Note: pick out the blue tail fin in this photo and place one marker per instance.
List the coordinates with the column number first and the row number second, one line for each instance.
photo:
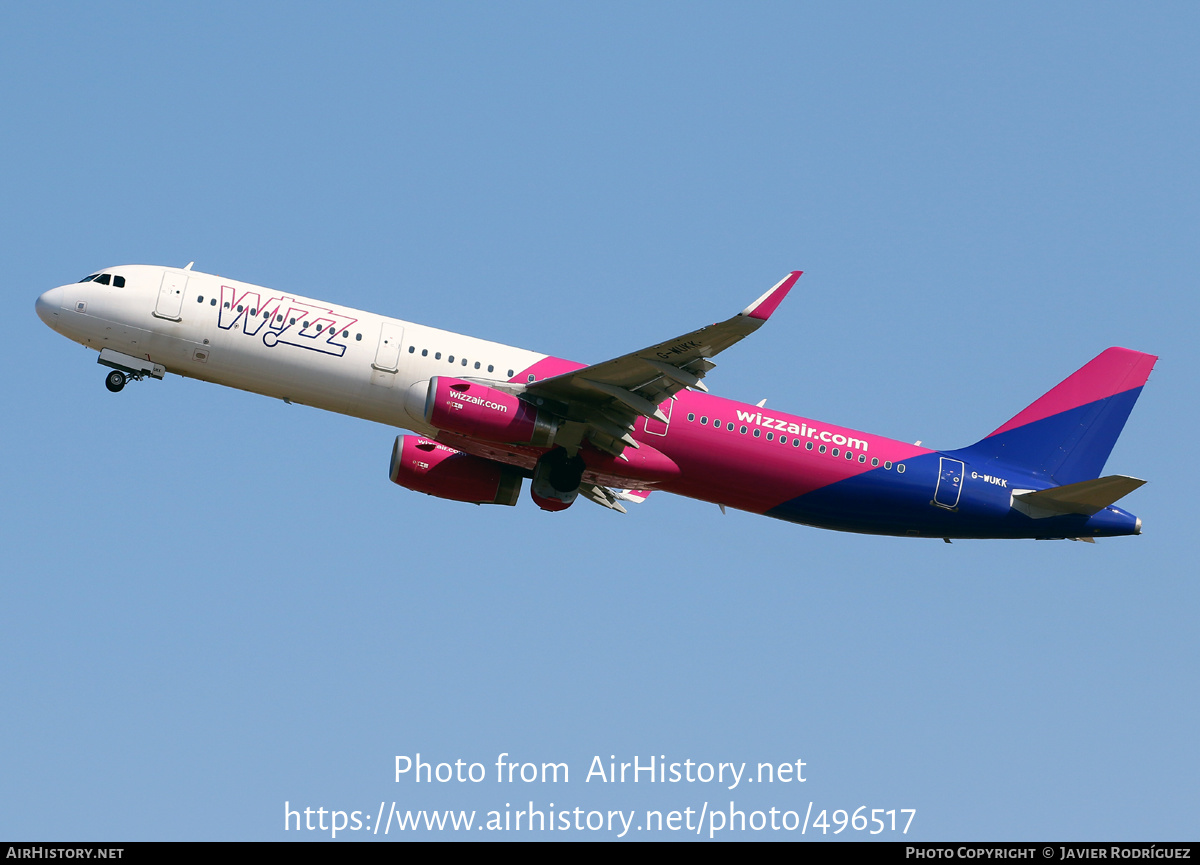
column 1068, row 433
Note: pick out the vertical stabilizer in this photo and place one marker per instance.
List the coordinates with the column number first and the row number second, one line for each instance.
column 1069, row 432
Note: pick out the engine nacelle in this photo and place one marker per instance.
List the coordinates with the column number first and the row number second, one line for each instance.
column 556, row 480
column 428, row 467
column 479, row 411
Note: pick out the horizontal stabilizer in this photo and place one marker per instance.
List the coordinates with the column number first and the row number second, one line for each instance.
column 637, row 496
column 1085, row 497
column 611, row 498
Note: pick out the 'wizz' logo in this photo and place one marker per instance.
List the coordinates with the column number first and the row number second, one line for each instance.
column 284, row 320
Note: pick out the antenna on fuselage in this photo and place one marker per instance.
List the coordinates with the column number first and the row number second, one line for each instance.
column 189, row 265
column 760, row 403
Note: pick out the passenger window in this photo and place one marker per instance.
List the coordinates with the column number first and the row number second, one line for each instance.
column 729, row 426
column 874, row 461
column 102, row 279
column 808, row 446
column 704, row 419
column 345, row 333
column 821, row 449
column 358, row 336
column 200, row 299
column 212, row 302
column 757, row 433
column 411, row 349
column 770, row 437
column 450, row 359
column 742, row 430
column 834, row 451
column 119, row 281
column 437, row 355
column 887, row 464
column 464, row 363
column 424, row 352
column 862, row 458
column 691, row 416
column 476, row 364
column 783, row 440
column 510, row 373
column 490, row 368
column 900, row 468
column 532, row 376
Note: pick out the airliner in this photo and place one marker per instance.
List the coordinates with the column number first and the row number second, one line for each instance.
column 484, row 417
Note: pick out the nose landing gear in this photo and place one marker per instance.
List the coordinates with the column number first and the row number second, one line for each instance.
column 126, row 367
column 114, row 381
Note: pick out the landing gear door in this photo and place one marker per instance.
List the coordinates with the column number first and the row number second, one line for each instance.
column 949, row 485
column 170, row 296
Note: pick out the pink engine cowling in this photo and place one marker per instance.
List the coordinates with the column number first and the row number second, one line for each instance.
column 428, row 467
column 479, row 411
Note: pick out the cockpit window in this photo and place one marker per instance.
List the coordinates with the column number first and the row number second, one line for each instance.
column 103, row 278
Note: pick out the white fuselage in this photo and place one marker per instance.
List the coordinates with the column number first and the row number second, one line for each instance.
column 269, row 342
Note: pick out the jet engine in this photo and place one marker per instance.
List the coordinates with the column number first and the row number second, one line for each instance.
column 556, row 480
column 428, row 467
column 479, row 411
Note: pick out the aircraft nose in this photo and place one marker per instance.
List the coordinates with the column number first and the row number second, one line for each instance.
column 48, row 305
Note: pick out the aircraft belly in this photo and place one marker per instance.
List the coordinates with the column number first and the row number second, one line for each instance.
column 884, row 502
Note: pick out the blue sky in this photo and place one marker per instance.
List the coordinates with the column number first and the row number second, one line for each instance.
column 215, row 603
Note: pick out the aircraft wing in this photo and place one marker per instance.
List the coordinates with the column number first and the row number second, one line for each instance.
column 607, row 398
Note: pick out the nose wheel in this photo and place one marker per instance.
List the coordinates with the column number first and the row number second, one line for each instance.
column 125, row 367
column 115, row 381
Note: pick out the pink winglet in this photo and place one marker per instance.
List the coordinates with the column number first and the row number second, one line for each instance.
column 1111, row 372
column 765, row 305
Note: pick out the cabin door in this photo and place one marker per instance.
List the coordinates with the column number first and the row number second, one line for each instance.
column 170, row 296
column 949, row 485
